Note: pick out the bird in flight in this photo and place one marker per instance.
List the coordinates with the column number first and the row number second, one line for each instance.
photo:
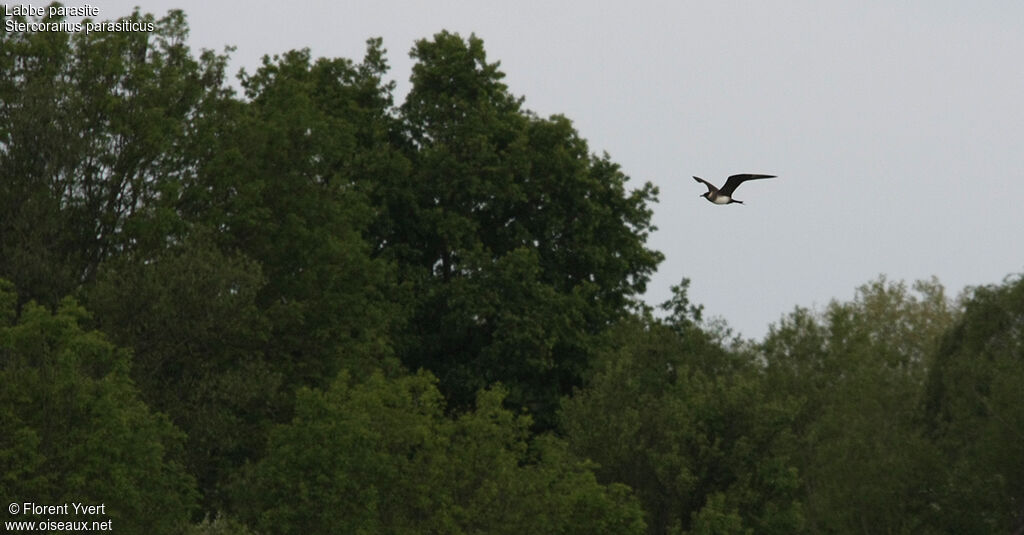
column 724, row 195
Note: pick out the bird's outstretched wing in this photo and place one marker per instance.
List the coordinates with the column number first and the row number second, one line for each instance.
column 711, row 187
column 735, row 180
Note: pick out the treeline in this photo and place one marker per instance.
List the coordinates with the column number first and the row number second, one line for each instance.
column 307, row 308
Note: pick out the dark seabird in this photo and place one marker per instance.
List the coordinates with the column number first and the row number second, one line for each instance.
column 724, row 195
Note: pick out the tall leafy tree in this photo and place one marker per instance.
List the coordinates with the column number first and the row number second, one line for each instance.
column 518, row 244
column 93, row 124
column 279, row 188
column 249, row 274
column 101, row 131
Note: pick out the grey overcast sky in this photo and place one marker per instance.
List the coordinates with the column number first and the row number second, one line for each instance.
column 896, row 128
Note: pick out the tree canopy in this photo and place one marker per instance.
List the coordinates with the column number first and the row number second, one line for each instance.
column 310, row 306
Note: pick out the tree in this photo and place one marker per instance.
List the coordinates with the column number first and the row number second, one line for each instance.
column 519, row 245
column 278, row 186
column 74, row 427
column 857, row 373
column 689, row 426
column 93, row 125
column 191, row 317
column 250, row 276
column 976, row 412
column 382, row 457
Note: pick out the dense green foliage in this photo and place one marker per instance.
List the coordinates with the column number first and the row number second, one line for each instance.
column 382, row 457
column 307, row 308
column 856, row 374
column 976, row 415
column 691, row 429
column 519, row 244
column 74, row 427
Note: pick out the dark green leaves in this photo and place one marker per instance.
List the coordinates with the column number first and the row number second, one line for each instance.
column 368, row 317
column 695, row 437
column 519, row 244
column 976, row 414
column 75, row 428
column 94, row 124
column 382, row 457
